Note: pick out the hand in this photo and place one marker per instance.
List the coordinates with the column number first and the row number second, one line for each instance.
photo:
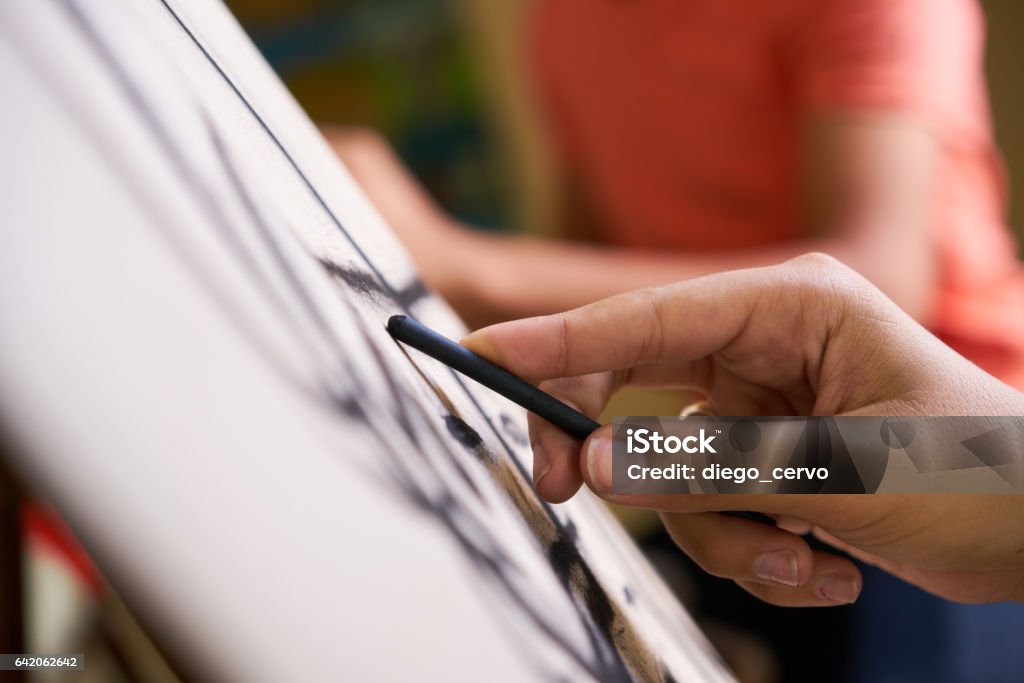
column 809, row 337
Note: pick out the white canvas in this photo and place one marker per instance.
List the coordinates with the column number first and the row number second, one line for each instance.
column 194, row 367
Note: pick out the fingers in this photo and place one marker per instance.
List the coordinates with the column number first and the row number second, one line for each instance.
column 800, row 511
column 556, row 455
column 794, row 525
column 741, row 549
column 681, row 322
column 834, row 581
column 772, row 564
column 556, row 472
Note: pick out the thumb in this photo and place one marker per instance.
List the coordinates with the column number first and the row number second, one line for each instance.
column 596, row 461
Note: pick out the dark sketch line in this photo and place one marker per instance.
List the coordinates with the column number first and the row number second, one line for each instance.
column 387, row 287
column 558, row 540
column 364, row 283
column 561, row 550
column 140, row 194
column 447, row 509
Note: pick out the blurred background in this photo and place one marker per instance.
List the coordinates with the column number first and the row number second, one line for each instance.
column 446, row 84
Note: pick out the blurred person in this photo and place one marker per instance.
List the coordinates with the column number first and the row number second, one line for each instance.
column 705, row 136
column 808, row 337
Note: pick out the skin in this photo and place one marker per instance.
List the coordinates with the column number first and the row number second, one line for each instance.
column 866, row 190
column 808, row 337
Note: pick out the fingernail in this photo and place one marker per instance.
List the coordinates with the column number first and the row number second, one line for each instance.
column 541, row 463
column 599, row 463
column 840, row 589
column 778, row 566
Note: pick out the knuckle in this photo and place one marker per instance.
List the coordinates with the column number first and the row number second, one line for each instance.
column 817, row 271
column 653, row 348
column 822, row 282
column 562, row 345
column 815, row 263
column 815, row 260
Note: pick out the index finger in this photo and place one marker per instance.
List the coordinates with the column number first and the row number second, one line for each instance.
column 684, row 321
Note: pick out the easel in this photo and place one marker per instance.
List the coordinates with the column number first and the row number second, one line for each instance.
column 12, row 619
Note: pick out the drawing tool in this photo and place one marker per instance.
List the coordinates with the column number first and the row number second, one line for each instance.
column 458, row 357
column 478, row 368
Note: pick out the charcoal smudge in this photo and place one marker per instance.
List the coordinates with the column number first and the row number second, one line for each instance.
column 369, row 286
column 463, row 433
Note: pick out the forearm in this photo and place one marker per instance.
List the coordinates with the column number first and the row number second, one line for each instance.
column 506, row 277
column 489, row 278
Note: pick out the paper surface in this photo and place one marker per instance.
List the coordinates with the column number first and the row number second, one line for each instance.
column 194, row 367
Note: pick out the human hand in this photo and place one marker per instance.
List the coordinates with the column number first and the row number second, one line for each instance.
column 809, row 337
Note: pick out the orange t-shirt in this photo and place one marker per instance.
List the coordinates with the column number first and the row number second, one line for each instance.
column 682, row 119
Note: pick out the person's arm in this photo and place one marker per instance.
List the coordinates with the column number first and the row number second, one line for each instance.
column 809, row 337
column 868, row 197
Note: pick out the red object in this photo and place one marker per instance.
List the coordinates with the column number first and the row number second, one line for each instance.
column 44, row 529
column 683, row 122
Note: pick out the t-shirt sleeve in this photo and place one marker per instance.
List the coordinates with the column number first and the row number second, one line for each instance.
column 921, row 57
